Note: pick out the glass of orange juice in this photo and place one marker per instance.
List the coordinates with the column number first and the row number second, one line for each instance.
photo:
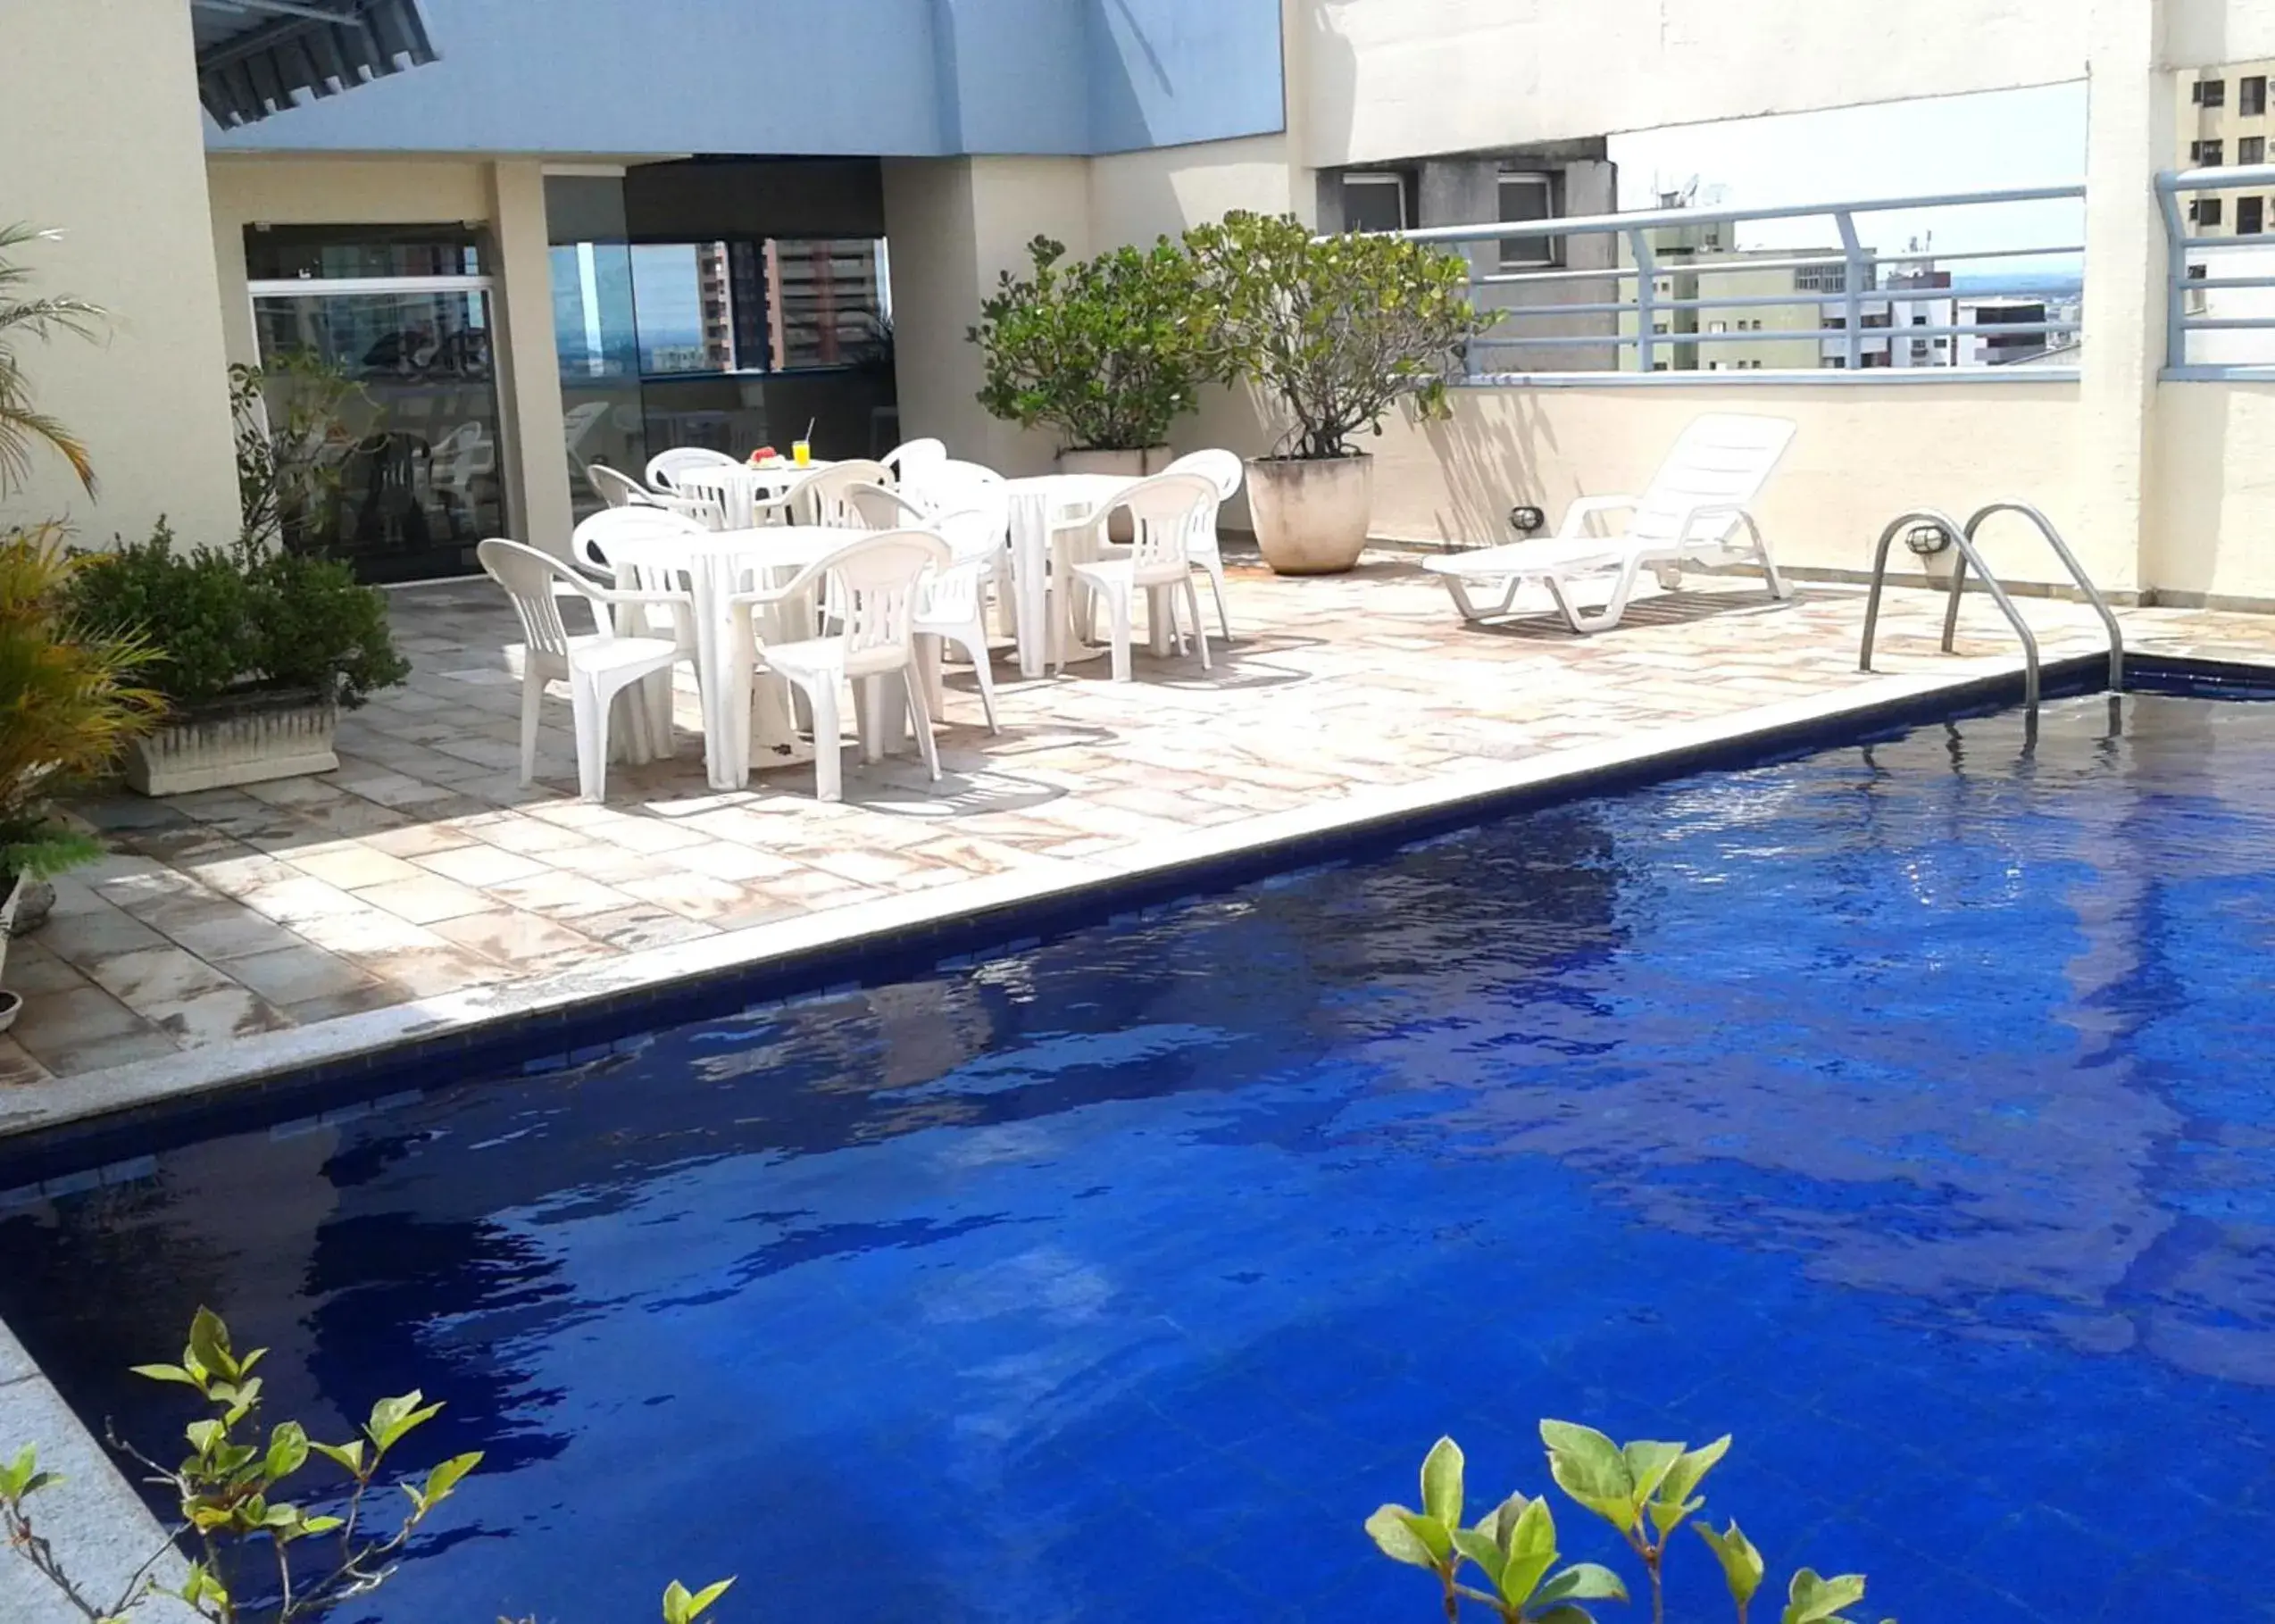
column 802, row 452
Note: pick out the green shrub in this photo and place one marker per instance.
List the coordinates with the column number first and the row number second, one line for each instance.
column 1645, row 1490
column 1107, row 351
column 230, row 623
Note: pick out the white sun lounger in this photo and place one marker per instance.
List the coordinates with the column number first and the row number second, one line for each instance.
column 1694, row 511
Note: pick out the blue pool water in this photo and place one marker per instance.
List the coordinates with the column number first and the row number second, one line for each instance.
column 1903, row 1109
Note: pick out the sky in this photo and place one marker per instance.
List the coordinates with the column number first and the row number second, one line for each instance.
column 1947, row 144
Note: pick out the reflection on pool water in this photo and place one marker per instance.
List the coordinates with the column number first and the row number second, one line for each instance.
column 1902, row 1110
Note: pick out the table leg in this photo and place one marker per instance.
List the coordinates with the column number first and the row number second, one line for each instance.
column 1031, row 571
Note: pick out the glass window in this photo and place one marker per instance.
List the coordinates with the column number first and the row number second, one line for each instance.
column 1527, row 196
column 2249, row 216
column 2251, row 149
column 2208, row 211
column 298, row 253
column 2251, row 96
column 2209, row 92
column 1374, row 201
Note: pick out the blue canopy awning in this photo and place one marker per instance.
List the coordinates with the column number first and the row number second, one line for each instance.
column 259, row 57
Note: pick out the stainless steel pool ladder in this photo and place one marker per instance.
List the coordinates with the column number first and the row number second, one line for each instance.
column 1964, row 538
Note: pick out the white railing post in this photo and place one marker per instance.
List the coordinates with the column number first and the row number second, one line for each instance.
column 1851, row 276
column 2175, row 273
column 1647, row 300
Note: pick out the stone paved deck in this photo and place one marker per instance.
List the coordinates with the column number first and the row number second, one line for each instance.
column 423, row 867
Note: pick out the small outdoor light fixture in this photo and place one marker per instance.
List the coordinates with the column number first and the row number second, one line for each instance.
column 1525, row 521
column 1927, row 540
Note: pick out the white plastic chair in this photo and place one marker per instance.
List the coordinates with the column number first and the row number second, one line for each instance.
column 875, row 581
column 913, row 457
column 664, row 464
column 953, row 604
column 821, row 497
column 1165, row 512
column 1223, row 470
column 616, row 487
column 1692, row 512
column 596, row 667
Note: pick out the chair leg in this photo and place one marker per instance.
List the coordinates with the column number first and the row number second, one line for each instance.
column 589, row 708
column 1200, row 631
column 1216, row 567
column 920, row 713
column 868, row 718
column 1117, row 610
column 532, row 704
column 983, row 671
column 829, row 764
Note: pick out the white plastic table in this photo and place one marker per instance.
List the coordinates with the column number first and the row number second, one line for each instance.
column 738, row 491
column 1046, row 509
column 717, row 565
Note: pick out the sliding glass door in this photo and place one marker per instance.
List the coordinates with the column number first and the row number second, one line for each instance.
column 403, row 316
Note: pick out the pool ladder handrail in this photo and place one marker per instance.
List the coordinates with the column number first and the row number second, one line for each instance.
column 1962, row 536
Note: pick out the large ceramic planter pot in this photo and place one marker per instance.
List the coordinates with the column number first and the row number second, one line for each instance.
column 1311, row 514
column 246, row 740
column 1130, row 464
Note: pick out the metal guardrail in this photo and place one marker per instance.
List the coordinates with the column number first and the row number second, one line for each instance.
column 2199, row 303
column 1855, row 273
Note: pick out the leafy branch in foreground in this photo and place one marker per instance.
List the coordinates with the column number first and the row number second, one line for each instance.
column 1645, row 1490
column 227, row 1491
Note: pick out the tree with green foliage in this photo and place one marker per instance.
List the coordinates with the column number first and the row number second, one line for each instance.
column 23, row 426
column 1333, row 332
column 1107, row 351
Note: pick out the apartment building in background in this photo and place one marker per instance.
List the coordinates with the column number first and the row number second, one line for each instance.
column 2225, row 122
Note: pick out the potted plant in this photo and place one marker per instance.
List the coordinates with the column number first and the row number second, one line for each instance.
column 70, row 702
column 1333, row 332
column 253, row 652
column 1108, row 352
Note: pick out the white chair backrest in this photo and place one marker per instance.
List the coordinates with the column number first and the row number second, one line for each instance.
column 1221, row 469
column 1165, row 512
column 914, row 456
column 825, row 498
column 1723, row 457
column 578, row 421
column 980, row 529
column 949, row 484
column 879, row 509
column 588, row 542
column 528, row 577
column 663, row 464
column 873, row 586
column 616, row 487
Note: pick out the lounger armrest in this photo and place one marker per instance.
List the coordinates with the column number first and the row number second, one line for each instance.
column 1585, row 508
column 1694, row 515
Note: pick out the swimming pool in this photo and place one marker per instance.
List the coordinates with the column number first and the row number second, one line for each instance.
column 1901, row 1110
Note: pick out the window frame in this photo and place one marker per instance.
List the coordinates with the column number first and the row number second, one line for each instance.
column 1375, row 177
column 2257, row 206
column 1527, row 253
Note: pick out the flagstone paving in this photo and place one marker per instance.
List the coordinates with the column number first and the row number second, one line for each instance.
column 422, row 866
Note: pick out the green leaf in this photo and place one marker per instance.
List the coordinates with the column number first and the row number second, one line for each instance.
column 1687, row 1474
column 1812, row 1600
column 1393, row 1531
column 22, row 1477
column 347, row 1456
column 1441, row 1483
column 444, row 1477
column 681, row 1608
column 1648, row 1464
column 321, row 1525
column 1564, row 1614
column 1500, row 1523
column 204, row 1436
column 1742, row 1565
column 1532, row 1551
column 1589, row 1467
column 168, row 1372
column 1480, row 1548
column 392, row 1418
column 287, row 1451
column 209, row 1342
column 1581, row 1582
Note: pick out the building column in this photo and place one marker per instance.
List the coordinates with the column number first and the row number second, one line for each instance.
column 2128, row 138
column 535, row 468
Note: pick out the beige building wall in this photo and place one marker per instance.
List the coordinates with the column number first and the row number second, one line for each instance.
column 1862, row 455
column 2212, row 510
column 507, row 197
column 1379, row 80
column 103, row 95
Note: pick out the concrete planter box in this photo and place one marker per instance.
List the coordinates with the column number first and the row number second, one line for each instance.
column 1311, row 514
column 10, row 1004
column 236, row 741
